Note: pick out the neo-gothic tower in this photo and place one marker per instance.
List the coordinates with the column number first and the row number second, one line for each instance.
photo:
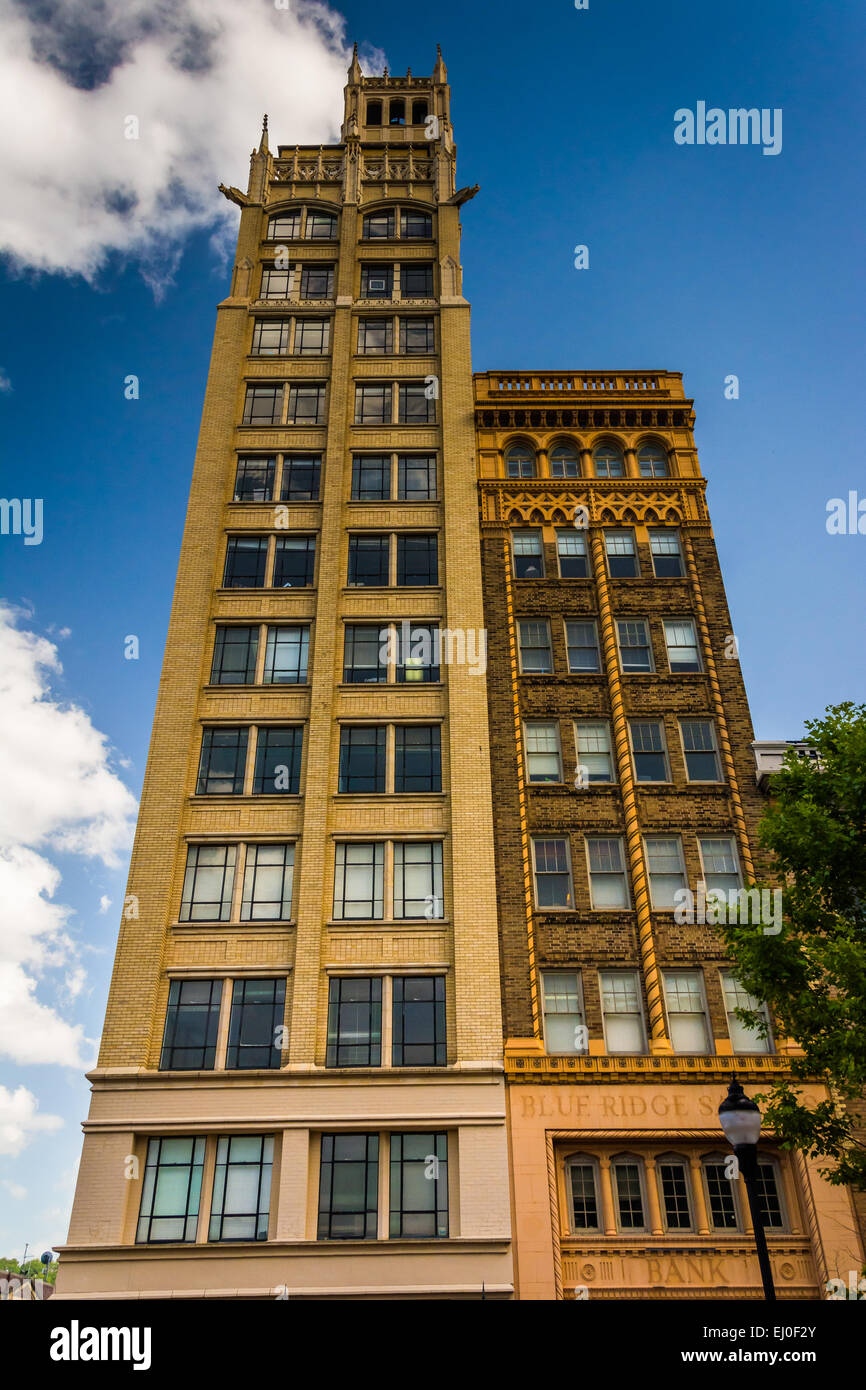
column 300, row 1081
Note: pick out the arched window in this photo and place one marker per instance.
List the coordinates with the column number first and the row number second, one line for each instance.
column 722, row 1198
column 519, row 462
column 416, row 225
column 608, row 461
column 320, row 226
column 564, row 462
column 374, row 113
column 397, row 111
column 672, row 1172
column 653, row 461
column 419, row 111
column 285, row 226
column 627, row 1174
column 379, row 226
column 581, row 1185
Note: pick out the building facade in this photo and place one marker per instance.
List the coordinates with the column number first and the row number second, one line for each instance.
column 624, row 792
column 300, row 1086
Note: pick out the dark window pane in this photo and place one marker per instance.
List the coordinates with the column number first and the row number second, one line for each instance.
column 417, row 759
column 208, row 883
column 306, row 405
column 278, row 762
column 368, row 560
column 417, row 653
column 362, row 758
column 416, row 477
column 271, row 337
column 354, row 1023
column 300, row 480
column 379, row 225
column 312, row 337
column 419, row 1021
column 417, row 560
column 263, row 405
column 254, row 481
column 375, row 336
column 191, row 1024
column 234, row 656
column 675, row 1196
column 317, row 282
column 419, row 1186
column 349, row 1187
column 294, row 562
column 286, row 655
column 371, row 478
column 629, row 1196
column 584, row 1202
column 416, row 281
column 416, row 225
column 254, row 1023
column 372, row 405
column 414, row 405
column 321, row 226
column 365, row 652
column 246, row 558
column 377, row 281
column 417, row 335
column 222, row 764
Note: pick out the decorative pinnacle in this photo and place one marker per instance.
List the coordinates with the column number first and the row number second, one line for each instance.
column 263, row 143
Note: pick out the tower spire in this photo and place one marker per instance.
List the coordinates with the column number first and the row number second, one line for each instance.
column 440, row 72
column 263, row 143
column 354, row 67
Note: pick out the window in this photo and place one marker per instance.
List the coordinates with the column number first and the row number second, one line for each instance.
column 306, row 405
column 652, row 462
column 768, row 1192
column 377, row 281
column 372, row 405
column 285, row 226
column 419, row 1186
column 664, row 858
column 276, row 282
column 528, row 554
column 536, row 657
column 582, row 1194
column 371, row 477
column 416, row 477
column 564, row 462
column 418, row 879
column 666, row 553
column 721, row 1194
column 699, row 747
column 286, row 655
column 418, row 1014
column 321, row 226
column 374, row 113
column 543, row 756
column 359, row 881
column 562, row 1002
column 621, row 554
column 354, row 1023
column 397, row 111
column 255, row 1024
column 368, row 561
column 571, row 550
column 743, row 1037
column 271, row 337
column 312, row 337
column 349, row 1187
column 720, row 864
column 365, row 654
column 581, row 639
column 362, row 758
column 627, row 1178
column 648, row 750
column 375, row 337
column 171, row 1191
column 607, row 880
column 673, row 1179
column 268, row 878
column 378, row 226
column 635, row 653
column 519, row 462
column 300, row 480
column 242, row 1188
column 592, row 737
column 416, row 280
column 246, row 558
column 317, row 282
column 417, row 336
column 191, row 1025
column 687, row 1012
column 294, row 562
column 414, row 225
column 608, row 462
column 621, row 1011
column 278, row 761
column 552, row 869
column 417, row 758
column 234, row 656
column 417, row 654
column 208, row 883
column 254, row 480
column 222, row 763
column 263, row 405
column 417, row 560
column 682, row 645
column 414, row 405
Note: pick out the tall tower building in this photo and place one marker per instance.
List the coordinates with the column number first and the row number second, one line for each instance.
column 623, row 775
column 300, row 1084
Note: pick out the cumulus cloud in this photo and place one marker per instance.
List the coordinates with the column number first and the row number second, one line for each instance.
column 60, row 793
column 104, row 903
column 14, row 1189
column 195, row 74
column 5, row 383
column 19, row 1122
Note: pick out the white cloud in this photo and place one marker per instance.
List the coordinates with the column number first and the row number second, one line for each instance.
column 196, row 74
column 14, row 1189
column 59, row 793
column 104, row 903
column 5, row 383
column 19, row 1122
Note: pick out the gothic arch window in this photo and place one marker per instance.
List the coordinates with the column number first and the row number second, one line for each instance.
column 419, row 111
column 397, row 111
column 608, row 460
column 374, row 113
column 583, row 1193
column 653, row 461
column 564, row 460
column 519, row 461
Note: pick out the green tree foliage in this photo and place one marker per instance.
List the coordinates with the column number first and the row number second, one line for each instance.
column 813, row 973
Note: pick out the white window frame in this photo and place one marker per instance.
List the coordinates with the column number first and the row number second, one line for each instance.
column 615, row 970
column 544, row 781
column 663, row 835
column 698, row 975
column 624, row 907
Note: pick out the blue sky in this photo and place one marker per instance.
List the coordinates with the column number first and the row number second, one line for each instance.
column 708, row 260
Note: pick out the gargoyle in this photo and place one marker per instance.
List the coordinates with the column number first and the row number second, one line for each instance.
column 464, row 194
column 234, row 195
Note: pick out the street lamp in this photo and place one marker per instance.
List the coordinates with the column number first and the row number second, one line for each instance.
column 740, row 1119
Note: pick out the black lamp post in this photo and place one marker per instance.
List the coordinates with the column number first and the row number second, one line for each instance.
column 740, row 1119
